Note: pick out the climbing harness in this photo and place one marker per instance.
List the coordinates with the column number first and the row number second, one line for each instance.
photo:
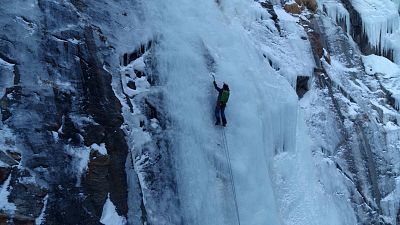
column 228, row 161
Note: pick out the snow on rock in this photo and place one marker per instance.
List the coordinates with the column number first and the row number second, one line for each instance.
column 378, row 64
column 392, row 134
column 379, row 18
column 41, row 219
column 6, row 77
column 110, row 216
column 132, row 83
column 387, row 71
column 5, row 205
column 288, row 51
column 81, row 157
column 100, row 148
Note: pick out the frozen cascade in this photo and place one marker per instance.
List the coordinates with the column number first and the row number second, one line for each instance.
column 379, row 18
column 184, row 30
column 270, row 155
column 337, row 12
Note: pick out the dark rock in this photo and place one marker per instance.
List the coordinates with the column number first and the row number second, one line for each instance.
column 102, row 104
column 270, row 8
column 39, row 103
column 139, row 74
column 93, row 134
column 23, row 220
column 27, row 197
column 309, row 4
column 292, row 8
column 150, row 110
column 128, row 58
column 4, row 173
column 37, row 161
column 7, row 159
column 131, row 85
column 302, row 85
column 16, row 220
column 96, row 182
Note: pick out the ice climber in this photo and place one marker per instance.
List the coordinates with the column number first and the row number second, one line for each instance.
column 223, row 96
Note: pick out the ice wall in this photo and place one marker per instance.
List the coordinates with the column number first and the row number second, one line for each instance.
column 380, row 19
column 263, row 136
column 261, row 101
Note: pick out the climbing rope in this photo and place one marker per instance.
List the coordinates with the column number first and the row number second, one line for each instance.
column 228, row 160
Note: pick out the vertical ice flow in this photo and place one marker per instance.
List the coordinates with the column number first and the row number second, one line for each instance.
column 262, row 132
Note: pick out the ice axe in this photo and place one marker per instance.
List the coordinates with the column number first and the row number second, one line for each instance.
column 213, row 76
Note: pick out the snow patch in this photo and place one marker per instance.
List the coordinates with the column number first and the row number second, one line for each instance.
column 387, row 72
column 378, row 64
column 283, row 15
column 100, row 148
column 110, row 216
column 80, row 120
column 6, row 76
column 40, row 219
column 5, row 205
column 81, row 157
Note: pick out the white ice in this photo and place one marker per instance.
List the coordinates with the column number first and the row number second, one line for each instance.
column 110, row 216
column 379, row 19
column 269, row 151
column 6, row 76
column 337, row 12
column 100, row 148
column 387, row 71
column 81, row 156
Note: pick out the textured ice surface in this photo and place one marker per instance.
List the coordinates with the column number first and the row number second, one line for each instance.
column 387, row 71
column 337, row 12
column 274, row 175
column 379, row 18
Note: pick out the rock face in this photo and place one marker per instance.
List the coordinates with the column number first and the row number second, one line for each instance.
column 59, row 104
column 292, row 8
column 309, row 4
column 363, row 153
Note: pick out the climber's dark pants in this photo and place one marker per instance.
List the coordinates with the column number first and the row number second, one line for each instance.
column 220, row 110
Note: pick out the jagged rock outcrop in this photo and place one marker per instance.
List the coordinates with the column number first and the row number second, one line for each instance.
column 60, row 103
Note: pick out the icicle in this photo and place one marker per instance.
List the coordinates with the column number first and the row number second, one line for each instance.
column 396, row 101
column 379, row 19
column 337, row 12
